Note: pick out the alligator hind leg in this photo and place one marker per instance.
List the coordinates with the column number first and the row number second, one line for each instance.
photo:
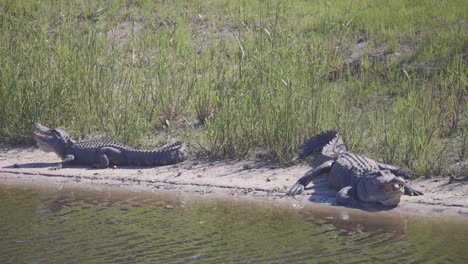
column 107, row 156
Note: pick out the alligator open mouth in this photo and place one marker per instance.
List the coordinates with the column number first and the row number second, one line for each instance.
column 41, row 132
column 43, row 137
column 392, row 187
column 42, row 129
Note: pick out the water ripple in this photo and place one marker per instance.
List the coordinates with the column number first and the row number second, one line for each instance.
column 47, row 226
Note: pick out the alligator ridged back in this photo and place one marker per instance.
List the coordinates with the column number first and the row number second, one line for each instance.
column 348, row 167
column 168, row 154
column 329, row 143
column 100, row 144
column 335, row 147
column 357, row 163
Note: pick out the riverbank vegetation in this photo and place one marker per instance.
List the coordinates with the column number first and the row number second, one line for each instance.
column 242, row 78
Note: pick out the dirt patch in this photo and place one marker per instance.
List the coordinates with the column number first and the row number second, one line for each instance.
column 247, row 179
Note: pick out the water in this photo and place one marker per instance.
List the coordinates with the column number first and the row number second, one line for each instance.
column 46, row 225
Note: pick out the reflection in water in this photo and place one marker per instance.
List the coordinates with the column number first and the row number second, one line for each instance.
column 50, row 226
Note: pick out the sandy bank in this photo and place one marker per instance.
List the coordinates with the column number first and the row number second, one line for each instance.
column 240, row 179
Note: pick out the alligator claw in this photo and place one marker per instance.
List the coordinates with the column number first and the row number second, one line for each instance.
column 295, row 189
column 58, row 167
column 412, row 192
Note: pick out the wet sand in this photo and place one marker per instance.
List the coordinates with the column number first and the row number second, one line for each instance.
column 228, row 179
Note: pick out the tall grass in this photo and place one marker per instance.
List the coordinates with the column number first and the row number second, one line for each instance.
column 233, row 78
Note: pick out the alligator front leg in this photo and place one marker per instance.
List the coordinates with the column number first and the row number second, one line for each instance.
column 411, row 191
column 308, row 177
column 345, row 197
column 67, row 159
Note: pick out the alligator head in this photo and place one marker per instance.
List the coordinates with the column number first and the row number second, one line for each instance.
column 52, row 140
column 380, row 186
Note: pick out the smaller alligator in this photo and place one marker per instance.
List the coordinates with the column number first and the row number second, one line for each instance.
column 357, row 178
column 103, row 154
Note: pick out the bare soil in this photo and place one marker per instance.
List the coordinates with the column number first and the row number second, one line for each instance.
column 237, row 179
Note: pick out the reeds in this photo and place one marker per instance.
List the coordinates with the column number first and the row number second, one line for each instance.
column 237, row 77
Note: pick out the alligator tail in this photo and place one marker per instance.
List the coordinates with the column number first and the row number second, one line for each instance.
column 329, row 143
column 169, row 154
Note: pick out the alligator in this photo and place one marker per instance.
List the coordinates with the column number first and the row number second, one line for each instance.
column 101, row 155
column 357, row 178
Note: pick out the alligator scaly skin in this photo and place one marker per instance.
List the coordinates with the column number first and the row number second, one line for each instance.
column 103, row 154
column 348, row 167
column 88, row 153
column 357, row 178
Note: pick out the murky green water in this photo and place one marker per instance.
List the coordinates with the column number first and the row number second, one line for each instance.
column 39, row 225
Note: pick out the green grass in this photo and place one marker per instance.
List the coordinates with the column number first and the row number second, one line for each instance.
column 235, row 78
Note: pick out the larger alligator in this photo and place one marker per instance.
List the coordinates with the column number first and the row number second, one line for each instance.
column 103, row 154
column 357, row 178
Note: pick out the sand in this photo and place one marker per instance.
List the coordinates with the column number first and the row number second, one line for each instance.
column 229, row 179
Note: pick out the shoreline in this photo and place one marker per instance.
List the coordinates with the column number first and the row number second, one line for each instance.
column 247, row 180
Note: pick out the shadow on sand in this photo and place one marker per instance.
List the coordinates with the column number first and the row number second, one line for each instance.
column 37, row 165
